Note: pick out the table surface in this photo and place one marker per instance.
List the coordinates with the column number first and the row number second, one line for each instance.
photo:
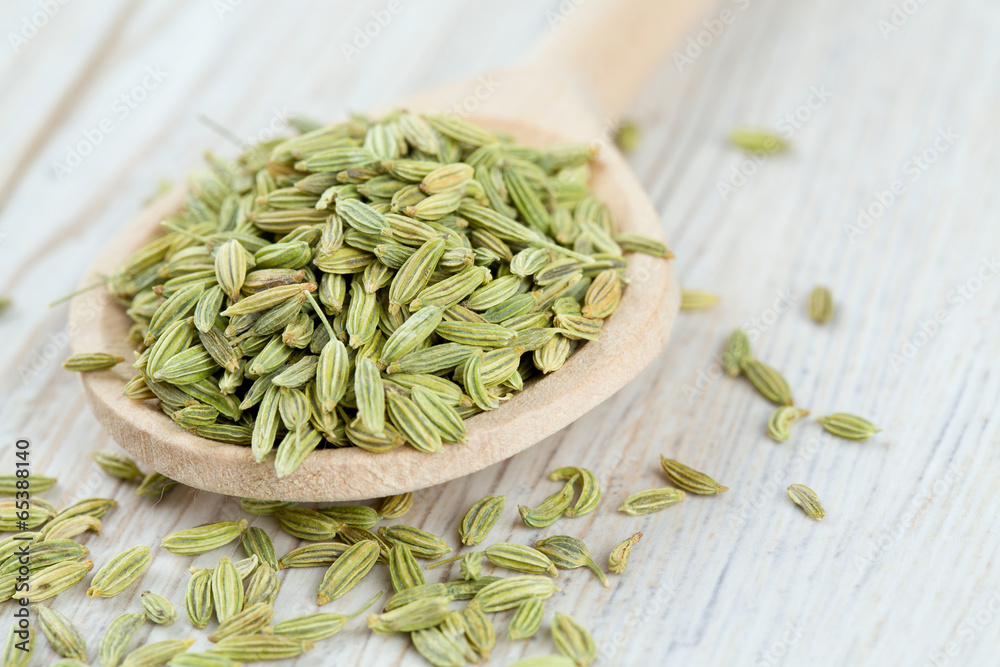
column 885, row 197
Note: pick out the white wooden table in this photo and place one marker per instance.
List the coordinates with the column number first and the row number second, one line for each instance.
column 890, row 111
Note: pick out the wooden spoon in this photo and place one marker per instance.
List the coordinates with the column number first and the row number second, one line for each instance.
column 571, row 89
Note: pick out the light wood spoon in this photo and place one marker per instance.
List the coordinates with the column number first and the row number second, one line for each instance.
column 571, row 89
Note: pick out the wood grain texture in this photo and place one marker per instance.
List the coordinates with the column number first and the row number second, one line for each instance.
column 900, row 571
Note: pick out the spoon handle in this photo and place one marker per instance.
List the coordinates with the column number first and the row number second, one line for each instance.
column 607, row 49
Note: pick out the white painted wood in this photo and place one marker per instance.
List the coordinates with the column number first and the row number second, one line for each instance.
column 900, row 567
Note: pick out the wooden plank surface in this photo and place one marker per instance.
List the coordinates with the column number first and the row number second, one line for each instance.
column 874, row 96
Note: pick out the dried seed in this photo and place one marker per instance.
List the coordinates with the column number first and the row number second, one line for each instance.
column 807, row 499
column 69, row 527
column 307, row 524
column 246, row 566
column 573, row 640
column 466, row 589
column 421, row 543
column 472, row 566
column 347, row 571
column 55, row 579
column 514, row 307
column 416, row 593
column 369, row 395
column 175, row 339
column 393, row 507
column 526, row 620
column 630, row 242
column 511, row 592
column 437, row 648
column 441, row 414
column 201, row 660
column 249, row 621
column 618, row 559
column 404, row 570
column 551, row 509
column 479, row 631
column 653, row 500
column 472, row 378
column 526, row 200
column 569, row 553
column 359, row 516
column 552, row 355
column 697, row 300
column 737, row 350
column 444, row 389
column 10, row 485
column 520, row 558
column 201, row 539
column 453, row 289
column 269, row 298
column 231, row 268
column 313, row 627
column 363, row 217
column 265, row 427
column 34, row 556
column 821, row 305
column 218, row 347
column 94, row 507
column 362, row 318
column 198, row 602
column 603, row 295
column 207, row 309
column 480, row 519
column 846, row 425
column 20, row 646
column 154, row 485
column 158, row 653
column 419, row 430
column 417, row 615
column 769, row 382
column 91, row 362
column 432, row 359
column 317, row 554
column 260, row 647
column 14, row 516
column 332, row 373
column 385, row 441
column 256, row 542
column 262, row 586
column 227, row 590
column 294, row 448
column 413, row 275
column 136, row 389
column 114, row 644
column 158, row 608
column 590, row 489
column 455, row 127
column 63, row 636
column 690, row 479
column 453, row 629
column 196, row 416
column 756, row 140
column 780, row 421
column 411, row 334
column 118, row 465
column 15, row 543
column 120, row 572
column 475, row 334
column 263, row 507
